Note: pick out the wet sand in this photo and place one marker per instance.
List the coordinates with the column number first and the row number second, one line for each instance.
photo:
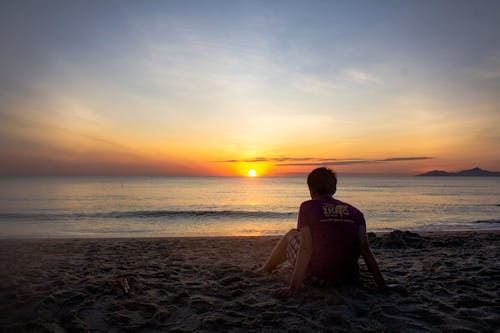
column 205, row 285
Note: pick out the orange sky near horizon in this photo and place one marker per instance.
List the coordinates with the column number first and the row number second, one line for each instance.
column 192, row 90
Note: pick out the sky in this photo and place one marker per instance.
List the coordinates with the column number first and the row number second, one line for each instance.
column 221, row 87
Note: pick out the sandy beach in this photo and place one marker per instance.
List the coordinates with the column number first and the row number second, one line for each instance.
column 205, row 285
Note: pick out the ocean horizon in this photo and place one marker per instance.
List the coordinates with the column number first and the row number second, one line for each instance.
column 158, row 206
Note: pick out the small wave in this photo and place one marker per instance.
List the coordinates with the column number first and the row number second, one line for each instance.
column 149, row 214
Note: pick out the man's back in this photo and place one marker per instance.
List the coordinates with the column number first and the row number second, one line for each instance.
column 334, row 229
column 330, row 239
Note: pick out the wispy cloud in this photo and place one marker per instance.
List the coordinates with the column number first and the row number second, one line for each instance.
column 360, row 76
column 395, row 159
column 326, row 163
column 314, row 85
column 271, row 159
column 488, row 69
column 356, row 161
column 315, row 161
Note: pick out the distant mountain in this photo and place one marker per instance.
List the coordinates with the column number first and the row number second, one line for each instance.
column 435, row 173
column 476, row 172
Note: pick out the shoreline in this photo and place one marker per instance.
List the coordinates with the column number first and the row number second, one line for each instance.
column 205, row 284
column 378, row 233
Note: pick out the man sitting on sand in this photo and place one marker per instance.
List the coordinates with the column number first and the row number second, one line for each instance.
column 330, row 237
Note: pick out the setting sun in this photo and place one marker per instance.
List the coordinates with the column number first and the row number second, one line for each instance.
column 252, row 173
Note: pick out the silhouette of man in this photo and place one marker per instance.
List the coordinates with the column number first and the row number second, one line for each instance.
column 328, row 241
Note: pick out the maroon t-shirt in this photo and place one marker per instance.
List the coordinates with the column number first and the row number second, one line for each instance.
column 334, row 229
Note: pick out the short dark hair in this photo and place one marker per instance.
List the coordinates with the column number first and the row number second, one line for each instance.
column 323, row 181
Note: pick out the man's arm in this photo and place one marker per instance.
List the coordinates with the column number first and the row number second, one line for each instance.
column 370, row 261
column 303, row 258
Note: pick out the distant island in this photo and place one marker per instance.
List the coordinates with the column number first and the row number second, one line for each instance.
column 476, row 172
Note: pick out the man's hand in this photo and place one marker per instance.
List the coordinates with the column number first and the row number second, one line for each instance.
column 259, row 269
column 284, row 293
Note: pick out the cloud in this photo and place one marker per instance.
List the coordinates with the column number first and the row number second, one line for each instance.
column 270, row 159
column 488, row 69
column 314, row 161
column 314, row 85
column 395, row 159
column 361, row 77
column 328, row 163
column 321, row 162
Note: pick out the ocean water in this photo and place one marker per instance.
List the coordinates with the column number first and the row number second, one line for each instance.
column 222, row 206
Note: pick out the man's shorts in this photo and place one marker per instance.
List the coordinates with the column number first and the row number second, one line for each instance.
column 292, row 249
column 292, row 252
